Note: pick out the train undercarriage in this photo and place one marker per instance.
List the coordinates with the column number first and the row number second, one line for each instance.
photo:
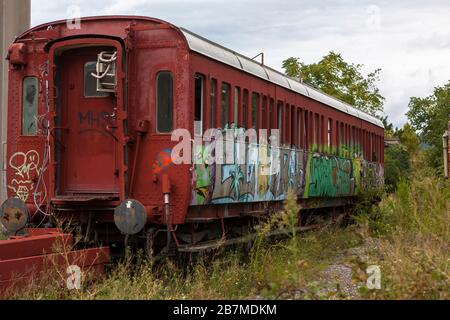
column 95, row 227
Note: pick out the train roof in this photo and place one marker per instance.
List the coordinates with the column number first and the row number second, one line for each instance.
column 224, row 55
column 217, row 52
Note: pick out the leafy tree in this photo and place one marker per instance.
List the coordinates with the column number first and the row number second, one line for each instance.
column 396, row 165
column 340, row 79
column 388, row 127
column 409, row 139
column 429, row 117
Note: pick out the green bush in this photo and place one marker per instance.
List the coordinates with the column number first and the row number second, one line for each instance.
column 397, row 165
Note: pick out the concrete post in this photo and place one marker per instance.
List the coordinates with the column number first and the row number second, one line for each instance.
column 14, row 19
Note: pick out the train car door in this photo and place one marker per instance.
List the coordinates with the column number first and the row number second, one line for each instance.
column 88, row 144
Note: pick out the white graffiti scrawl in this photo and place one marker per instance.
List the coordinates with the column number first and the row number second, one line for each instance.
column 26, row 169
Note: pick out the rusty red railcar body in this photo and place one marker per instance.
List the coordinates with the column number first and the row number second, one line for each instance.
column 92, row 111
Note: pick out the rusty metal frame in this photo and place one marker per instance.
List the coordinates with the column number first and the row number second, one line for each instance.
column 25, row 259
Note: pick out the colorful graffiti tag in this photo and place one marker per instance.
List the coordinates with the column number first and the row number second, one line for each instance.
column 311, row 174
column 26, row 168
column 163, row 161
column 329, row 176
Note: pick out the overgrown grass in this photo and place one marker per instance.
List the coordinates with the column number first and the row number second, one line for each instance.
column 411, row 225
column 279, row 270
column 414, row 223
column 272, row 269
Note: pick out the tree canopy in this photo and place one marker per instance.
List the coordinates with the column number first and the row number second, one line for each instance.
column 429, row 117
column 340, row 79
column 388, row 127
column 409, row 139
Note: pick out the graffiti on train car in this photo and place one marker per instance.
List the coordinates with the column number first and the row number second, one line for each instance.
column 311, row 174
column 329, row 176
column 248, row 182
column 163, row 161
column 25, row 167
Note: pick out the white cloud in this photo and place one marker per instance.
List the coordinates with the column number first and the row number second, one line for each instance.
column 409, row 40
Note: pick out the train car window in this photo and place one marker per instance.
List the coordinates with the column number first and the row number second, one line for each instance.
column 225, row 104
column 363, row 143
column 198, row 117
column 366, row 148
column 357, row 141
column 305, row 130
column 375, row 146
column 360, row 142
column 271, row 115
column 244, row 108
column 287, row 123
column 345, row 142
column 350, row 139
column 336, row 134
column 293, row 128
column 164, row 102
column 378, row 149
column 90, row 83
column 254, row 115
column 29, row 106
column 381, row 148
column 322, row 134
column 213, row 96
column 299, row 128
column 353, row 139
column 357, row 144
column 237, row 96
column 264, row 124
column 280, row 119
column 311, row 130
column 375, row 152
column 316, row 130
column 347, row 138
column 370, row 147
column 330, row 128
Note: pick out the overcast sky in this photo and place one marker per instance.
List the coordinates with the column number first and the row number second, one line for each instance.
column 408, row 40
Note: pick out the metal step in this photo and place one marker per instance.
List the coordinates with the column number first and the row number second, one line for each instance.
column 77, row 198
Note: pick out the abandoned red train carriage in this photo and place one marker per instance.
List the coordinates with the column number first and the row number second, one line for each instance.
column 80, row 147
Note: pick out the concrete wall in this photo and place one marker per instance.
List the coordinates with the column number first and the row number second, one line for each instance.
column 14, row 19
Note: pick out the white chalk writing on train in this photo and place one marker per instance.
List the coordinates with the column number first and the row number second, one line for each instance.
column 26, row 168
